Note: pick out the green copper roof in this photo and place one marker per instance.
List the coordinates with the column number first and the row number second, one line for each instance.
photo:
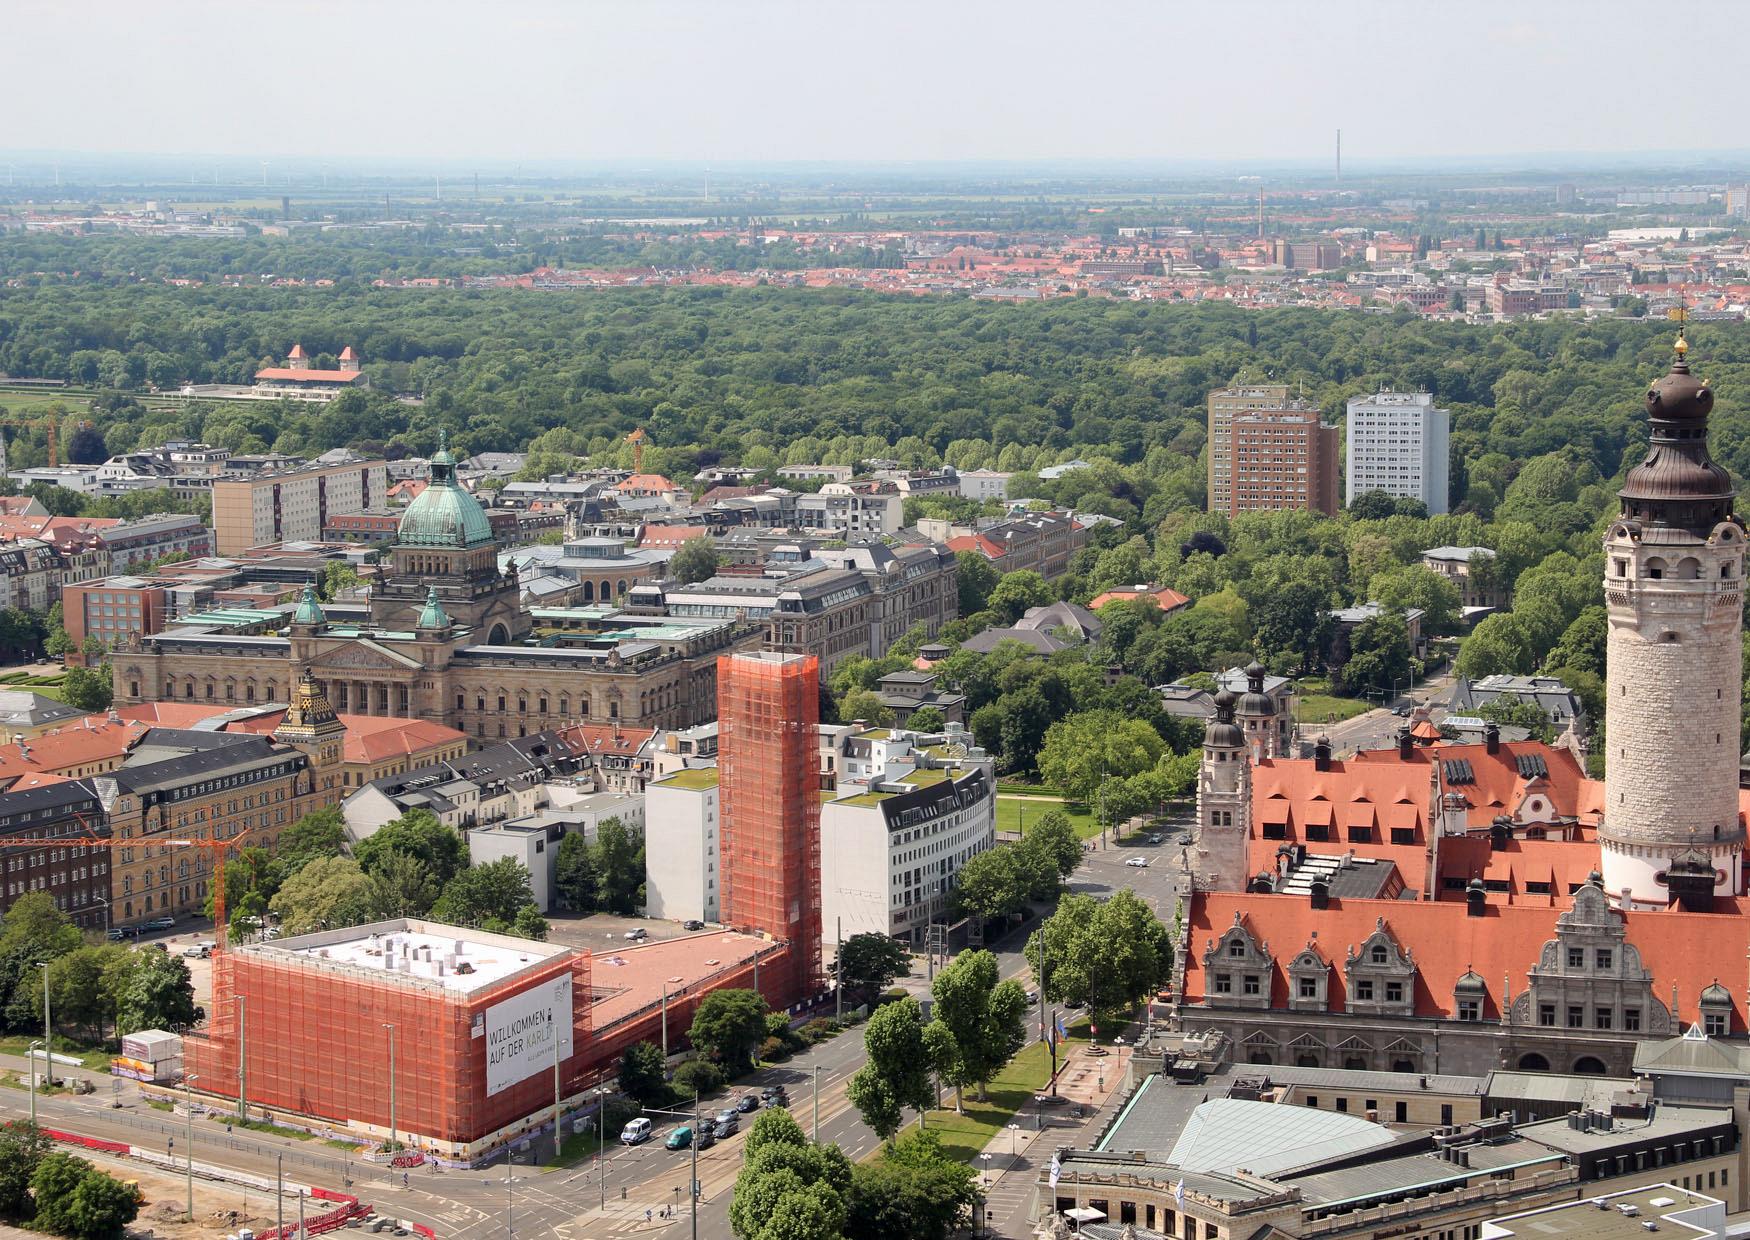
column 309, row 610
column 444, row 515
column 433, row 617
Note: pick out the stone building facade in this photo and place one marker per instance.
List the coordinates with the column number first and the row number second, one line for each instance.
column 447, row 639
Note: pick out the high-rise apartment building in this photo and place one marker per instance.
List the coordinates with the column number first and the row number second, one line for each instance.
column 1399, row 443
column 768, row 715
column 1282, row 458
column 1223, row 405
column 294, row 505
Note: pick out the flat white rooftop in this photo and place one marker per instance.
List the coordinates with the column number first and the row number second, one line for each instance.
column 421, row 953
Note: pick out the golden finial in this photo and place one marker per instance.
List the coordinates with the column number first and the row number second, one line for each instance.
column 1681, row 315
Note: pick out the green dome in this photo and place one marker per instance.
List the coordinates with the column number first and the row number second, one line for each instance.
column 444, row 515
column 434, row 616
column 309, row 610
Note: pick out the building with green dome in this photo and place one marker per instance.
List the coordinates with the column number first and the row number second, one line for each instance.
column 444, row 637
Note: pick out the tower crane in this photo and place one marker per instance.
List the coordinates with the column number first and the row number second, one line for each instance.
column 218, row 848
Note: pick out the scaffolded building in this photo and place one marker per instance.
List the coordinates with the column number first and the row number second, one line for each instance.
column 768, row 714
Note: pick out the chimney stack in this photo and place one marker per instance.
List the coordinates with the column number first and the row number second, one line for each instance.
column 1491, row 737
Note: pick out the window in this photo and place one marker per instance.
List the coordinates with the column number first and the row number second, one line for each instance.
column 1445, row 1113
column 1576, row 958
column 1236, row 948
column 1715, row 1024
column 1312, row 1100
column 1576, row 1016
column 1250, row 984
column 1377, row 955
column 1224, row 983
column 1364, row 989
column 1401, row 1111
column 1469, row 1009
column 1603, row 956
column 1546, row 1015
column 1601, row 1018
column 1309, row 988
column 1403, row 835
column 1394, row 992
column 1631, row 1019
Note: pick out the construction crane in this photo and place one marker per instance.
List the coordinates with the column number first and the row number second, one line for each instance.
column 218, row 847
column 636, row 439
column 51, row 428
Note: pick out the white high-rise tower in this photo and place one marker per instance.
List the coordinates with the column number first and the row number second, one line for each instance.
column 1673, row 589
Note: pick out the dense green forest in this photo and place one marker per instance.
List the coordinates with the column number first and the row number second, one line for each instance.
column 1545, row 415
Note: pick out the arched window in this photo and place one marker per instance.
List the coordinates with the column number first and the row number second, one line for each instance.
column 589, row 591
column 1533, row 1062
column 1589, row 1065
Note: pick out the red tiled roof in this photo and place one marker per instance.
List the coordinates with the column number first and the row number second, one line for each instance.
column 347, row 355
column 297, row 351
column 646, row 482
column 94, row 739
column 976, row 542
column 1690, row 950
column 670, row 535
column 599, row 738
column 309, row 376
column 373, row 738
column 1165, row 597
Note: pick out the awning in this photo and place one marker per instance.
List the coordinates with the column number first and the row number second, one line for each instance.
column 1084, row 1214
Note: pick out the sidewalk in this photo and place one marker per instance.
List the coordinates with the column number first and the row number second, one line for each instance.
column 1010, row 1164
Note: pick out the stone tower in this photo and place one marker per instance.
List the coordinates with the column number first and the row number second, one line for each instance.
column 1673, row 589
column 1255, row 712
column 310, row 725
column 1224, row 801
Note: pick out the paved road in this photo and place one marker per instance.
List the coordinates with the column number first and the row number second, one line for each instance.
column 1378, row 728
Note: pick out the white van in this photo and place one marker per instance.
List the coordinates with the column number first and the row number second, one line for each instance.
column 636, row 1132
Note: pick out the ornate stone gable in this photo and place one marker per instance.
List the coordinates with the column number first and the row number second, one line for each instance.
column 362, row 655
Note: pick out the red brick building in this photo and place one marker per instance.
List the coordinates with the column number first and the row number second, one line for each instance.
column 1282, row 458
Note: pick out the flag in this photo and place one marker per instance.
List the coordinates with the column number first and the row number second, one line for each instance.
column 1062, row 1032
column 1056, row 1169
column 1179, row 1193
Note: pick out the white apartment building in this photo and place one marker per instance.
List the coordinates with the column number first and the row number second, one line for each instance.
column 983, row 484
column 681, row 819
column 1399, row 443
column 527, row 844
column 294, row 505
column 910, row 810
column 852, row 510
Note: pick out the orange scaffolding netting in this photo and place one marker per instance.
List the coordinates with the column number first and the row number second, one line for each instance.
column 768, row 716
column 318, row 1045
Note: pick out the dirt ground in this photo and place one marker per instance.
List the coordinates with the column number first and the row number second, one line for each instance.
column 219, row 1209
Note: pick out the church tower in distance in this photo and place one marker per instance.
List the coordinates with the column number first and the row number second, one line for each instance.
column 1673, row 590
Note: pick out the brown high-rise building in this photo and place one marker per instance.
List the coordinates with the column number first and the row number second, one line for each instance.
column 768, row 715
column 1282, row 458
column 1223, row 406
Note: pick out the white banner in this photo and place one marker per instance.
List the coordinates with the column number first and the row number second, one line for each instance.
column 520, row 1031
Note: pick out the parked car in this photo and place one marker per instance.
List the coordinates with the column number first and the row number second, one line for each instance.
column 707, row 1137
column 161, row 923
column 773, row 1091
column 692, row 924
column 747, row 1103
column 1154, row 837
column 116, row 934
column 1137, row 863
column 636, row 1131
column 728, row 1121
column 637, row 935
column 680, row 1138
column 199, row 951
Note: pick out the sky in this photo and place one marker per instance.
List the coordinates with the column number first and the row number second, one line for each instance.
column 878, row 80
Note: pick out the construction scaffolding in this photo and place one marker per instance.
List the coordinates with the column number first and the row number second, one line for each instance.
column 318, row 1044
column 768, row 723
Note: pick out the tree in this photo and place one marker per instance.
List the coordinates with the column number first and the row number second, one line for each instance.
column 619, row 867
column 320, row 833
column 869, row 963
column 1515, row 711
column 88, row 689
column 324, row 895
column 1107, row 954
column 102, row 1206
column 1294, row 618
column 975, row 578
column 1016, row 592
column 1379, row 655
column 926, row 719
column 419, row 834
column 493, row 892
column 52, row 1185
column 76, row 989
column 574, row 875
column 33, row 929
column 913, row 1190
column 980, row 1022
column 338, row 577
column 158, row 994
column 401, row 886
column 643, row 1072
column 529, row 924
column 1499, row 643
column 1417, row 585
column 729, row 1026
column 993, row 883
column 864, row 704
column 22, row 1149
column 695, row 560
column 788, row 1188
column 897, row 1074
column 1053, row 842
column 1084, row 748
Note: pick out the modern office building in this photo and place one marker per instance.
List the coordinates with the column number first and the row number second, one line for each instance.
column 682, row 817
column 768, row 712
column 1223, row 405
column 295, row 505
column 1398, row 442
column 1282, row 458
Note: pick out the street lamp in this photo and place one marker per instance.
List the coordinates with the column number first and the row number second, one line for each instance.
column 105, row 904
column 48, row 1036
column 391, row 1028
column 188, row 1108
column 693, row 1188
column 601, row 1139
column 1014, row 1143
column 32, row 1061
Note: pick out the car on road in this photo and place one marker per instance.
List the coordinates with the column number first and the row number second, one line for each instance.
column 1154, row 837
column 773, row 1091
column 680, row 1138
column 636, row 1131
column 116, row 934
column 1403, row 711
column 637, row 934
column 706, row 1137
column 747, row 1103
column 199, row 951
column 728, row 1122
column 1137, row 863
column 161, row 923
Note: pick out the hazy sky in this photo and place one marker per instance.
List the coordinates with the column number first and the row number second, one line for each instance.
column 725, row 80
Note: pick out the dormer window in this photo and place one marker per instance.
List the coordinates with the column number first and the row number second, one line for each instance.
column 1377, row 955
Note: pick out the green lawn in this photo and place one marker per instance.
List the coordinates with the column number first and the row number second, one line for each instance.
column 96, row 1059
column 1318, row 708
column 965, row 1136
column 1010, row 812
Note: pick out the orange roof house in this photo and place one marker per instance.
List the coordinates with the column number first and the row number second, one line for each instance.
column 1165, row 597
